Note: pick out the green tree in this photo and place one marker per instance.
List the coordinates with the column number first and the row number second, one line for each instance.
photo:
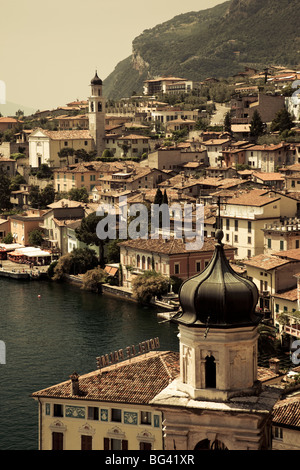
column 113, row 251
column 34, row 196
column 40, row 199
column 282, row 121
column 83, row 260
column 227, row 122
column 78, row 194
column 65, row 153
column 16, row 181
column 44, row 171
column 158, row 199
column 257, row 127
column 47, row 196
column 93, row 279
column 8, row 238
column 107, row 153
column 148, row 285
column 165, row 197
column 4, row 190
column 87, row 233
column 78, row 261
column 201, row 124
column 85, row 156
column 35, row 237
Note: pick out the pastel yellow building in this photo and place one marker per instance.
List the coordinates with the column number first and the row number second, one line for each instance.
column 108, row 409
column 80, row 175
column 22, row 224
column 244, row 218
column 45, row 145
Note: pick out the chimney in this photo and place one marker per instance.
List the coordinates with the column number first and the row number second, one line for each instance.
column 74, row 383
column 274, row 365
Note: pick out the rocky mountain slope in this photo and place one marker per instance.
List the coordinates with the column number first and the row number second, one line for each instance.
column 217, row 42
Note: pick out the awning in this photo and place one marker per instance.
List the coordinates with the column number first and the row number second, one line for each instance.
column 111, row 270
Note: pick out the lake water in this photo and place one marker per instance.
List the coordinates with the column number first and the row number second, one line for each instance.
column 51, row 330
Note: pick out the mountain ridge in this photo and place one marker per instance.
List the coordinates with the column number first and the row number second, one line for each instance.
column 218, row 41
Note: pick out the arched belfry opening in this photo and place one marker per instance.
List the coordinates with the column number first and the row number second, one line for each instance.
column 205, row 444
column 210, row 372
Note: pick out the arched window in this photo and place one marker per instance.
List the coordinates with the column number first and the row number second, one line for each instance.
column 92, row 106
column 143, row 262
column 218, row 445
column 138, row 260
column 203, row 445
column 210, row 372
column 99, row 107
column 208, row 445
column 148, row 263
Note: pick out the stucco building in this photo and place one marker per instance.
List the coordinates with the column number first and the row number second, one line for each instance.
column 167, row 257
column 244, row 217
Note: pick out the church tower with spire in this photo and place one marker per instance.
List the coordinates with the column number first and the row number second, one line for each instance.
column 96, row 104
column 217, row 402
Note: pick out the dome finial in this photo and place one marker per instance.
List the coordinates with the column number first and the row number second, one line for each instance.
column 96, row 80
column 219, row 235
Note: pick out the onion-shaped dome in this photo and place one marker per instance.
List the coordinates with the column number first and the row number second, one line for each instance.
column 96, row 80
column 218, row 296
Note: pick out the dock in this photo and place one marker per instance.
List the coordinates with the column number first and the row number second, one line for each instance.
column 11, row 270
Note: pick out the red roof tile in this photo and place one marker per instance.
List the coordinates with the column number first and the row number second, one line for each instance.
column 136, row 380
column 287, row 412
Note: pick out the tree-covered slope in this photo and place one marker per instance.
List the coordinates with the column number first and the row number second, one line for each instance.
column 217, row 42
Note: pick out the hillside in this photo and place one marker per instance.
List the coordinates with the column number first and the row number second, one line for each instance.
column 217, row 42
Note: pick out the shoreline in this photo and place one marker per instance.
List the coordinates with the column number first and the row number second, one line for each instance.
column 21, row 272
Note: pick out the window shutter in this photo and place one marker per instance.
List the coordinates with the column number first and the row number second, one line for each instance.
column 124, row 445
column 106, row 443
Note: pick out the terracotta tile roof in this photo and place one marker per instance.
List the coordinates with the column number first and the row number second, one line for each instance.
column 256, row 197
column 268, row 148
column 83, row 167
column 8, row 120
column 64, row 222
column 286, row 413
column 264, row 374
column 289, row 254
column 266, row 262
column 133, row 137
column 291, row 294
column 169, row 247
column 216, row 142
column 63, row 203
column 268, row 176
column 137, row 380
column 67, row 135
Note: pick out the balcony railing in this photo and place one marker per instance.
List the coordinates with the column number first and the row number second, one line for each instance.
column 290, row 330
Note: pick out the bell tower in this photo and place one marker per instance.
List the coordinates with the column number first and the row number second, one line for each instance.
column 96, row 104
column 217, row 401
column 218, row 331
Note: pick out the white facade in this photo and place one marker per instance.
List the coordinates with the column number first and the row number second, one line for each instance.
column 97, row 115
column 214, row 150
column 39, row 149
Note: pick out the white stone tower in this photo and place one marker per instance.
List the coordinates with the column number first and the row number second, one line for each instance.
column 97, row 114
column 217, row 402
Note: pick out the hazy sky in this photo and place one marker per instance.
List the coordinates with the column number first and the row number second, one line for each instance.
column 49, row 50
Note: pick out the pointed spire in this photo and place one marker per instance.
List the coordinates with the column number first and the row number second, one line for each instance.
column 96, row 80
